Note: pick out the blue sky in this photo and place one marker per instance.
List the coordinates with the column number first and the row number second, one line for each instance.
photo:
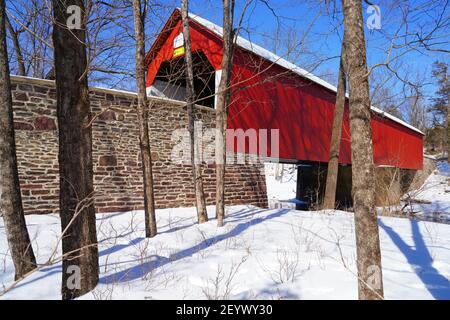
column 321, row 33
column 305, row 32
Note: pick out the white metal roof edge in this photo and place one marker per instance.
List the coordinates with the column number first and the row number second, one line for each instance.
column 266, row 54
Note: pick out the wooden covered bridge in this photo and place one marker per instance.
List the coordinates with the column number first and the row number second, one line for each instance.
column 269, row 92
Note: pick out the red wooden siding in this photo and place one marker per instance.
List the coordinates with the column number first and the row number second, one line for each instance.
column 268, row 96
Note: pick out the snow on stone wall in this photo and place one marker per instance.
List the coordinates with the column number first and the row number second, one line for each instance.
column 116, row 155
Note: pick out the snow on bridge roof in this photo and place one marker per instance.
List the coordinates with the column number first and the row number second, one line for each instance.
column 266, row 54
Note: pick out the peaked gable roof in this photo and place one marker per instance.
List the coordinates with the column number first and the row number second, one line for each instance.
column 259, row 51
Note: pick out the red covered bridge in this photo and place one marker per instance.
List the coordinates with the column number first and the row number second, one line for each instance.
column 269, row 92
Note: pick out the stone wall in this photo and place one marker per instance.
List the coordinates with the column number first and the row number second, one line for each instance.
column 117, row 169
column 413, row 180
column 390, row 184
column 393, row 183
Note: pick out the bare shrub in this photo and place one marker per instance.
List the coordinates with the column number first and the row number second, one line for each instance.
column 221, row 285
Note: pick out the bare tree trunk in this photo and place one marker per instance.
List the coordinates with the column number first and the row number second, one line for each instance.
column 333, row 163
column 79, row 239
column 17, row 49
column 10, row 196
column 447, row 131
column 223, row 99
column 370, row 285
column 195, row 150
column 279, row 171
column 142, row 112
column 447, row 119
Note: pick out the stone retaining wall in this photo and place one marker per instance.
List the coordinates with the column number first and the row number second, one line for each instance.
column 116, row 155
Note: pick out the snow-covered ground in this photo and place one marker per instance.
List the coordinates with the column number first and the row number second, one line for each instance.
column 258, row 254
column 434, row 195
column 262, row 254
column 281, row 182
column 436, row 191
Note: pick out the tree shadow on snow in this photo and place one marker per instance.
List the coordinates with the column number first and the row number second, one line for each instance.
column 155, row 261
column 45, row 273
column 272, row 292
column 133, row 242
column 51, row 270
column 119, row 247
column 277, row 293
column 421, row 261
